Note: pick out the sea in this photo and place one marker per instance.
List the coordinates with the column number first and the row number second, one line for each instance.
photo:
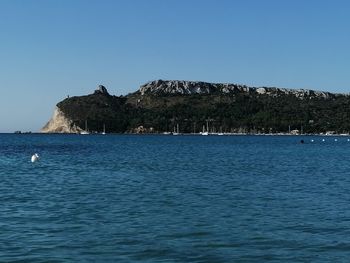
column 154, row 198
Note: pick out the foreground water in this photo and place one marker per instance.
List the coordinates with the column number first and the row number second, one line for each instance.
column 174, row 199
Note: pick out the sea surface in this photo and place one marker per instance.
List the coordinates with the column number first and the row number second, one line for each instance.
column 128, row 198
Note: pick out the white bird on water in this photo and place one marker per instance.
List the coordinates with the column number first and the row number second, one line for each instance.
column 35, row 157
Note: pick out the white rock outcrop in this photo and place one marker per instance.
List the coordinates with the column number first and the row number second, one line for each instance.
column 59, row 123
column 181, row 87
column 261, row 90
column 189, row 87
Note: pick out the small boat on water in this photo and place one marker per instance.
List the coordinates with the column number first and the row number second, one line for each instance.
column 85, row 132
column 205, row 133
column 176, row 132
column 104, row 130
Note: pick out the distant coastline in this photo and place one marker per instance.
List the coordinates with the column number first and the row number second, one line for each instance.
column 191, row 107
column 184, row 134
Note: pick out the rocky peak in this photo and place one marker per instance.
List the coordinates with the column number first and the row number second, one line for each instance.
column 101, row 90
column 181, row 87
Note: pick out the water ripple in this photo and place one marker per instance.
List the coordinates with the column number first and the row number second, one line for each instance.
column 173, row 199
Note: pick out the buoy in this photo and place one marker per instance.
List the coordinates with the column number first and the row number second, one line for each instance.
column 323, row 140
column 348, row 140
column 35, row 157
column 312, row 140
column 335, row 140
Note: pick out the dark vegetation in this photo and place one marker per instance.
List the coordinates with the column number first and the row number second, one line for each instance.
column 238, row 112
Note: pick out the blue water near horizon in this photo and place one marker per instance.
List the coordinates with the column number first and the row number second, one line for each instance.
column 127, row 198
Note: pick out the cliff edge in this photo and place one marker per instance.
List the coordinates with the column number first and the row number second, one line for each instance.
column 95, row 112
column 59, row 123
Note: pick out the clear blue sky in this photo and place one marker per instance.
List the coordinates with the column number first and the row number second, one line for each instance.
column 50, row 49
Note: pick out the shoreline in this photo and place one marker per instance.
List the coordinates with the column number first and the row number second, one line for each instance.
column 182, row 134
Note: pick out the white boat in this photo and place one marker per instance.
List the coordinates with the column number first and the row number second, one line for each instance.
column 205, row 133
column 176, row 132
column 220, row 133
column 84, row 132
column 104, row 129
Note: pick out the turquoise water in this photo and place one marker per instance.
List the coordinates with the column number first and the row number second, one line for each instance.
column 119, row 198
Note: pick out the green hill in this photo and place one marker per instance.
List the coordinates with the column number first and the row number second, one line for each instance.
column 159, row 106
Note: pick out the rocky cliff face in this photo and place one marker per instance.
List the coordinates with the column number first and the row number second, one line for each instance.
column 94, row 112
column 180, row 87
column 60, row 123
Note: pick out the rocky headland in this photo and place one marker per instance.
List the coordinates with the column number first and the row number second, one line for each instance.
column 159, row 106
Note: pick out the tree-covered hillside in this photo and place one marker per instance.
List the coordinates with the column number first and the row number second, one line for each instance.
column 256, row 111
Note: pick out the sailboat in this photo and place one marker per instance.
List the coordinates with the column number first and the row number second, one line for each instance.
column 205, row 132
column 176, row 133
column 220, row 133
column 104, row 129
column 84, row 132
